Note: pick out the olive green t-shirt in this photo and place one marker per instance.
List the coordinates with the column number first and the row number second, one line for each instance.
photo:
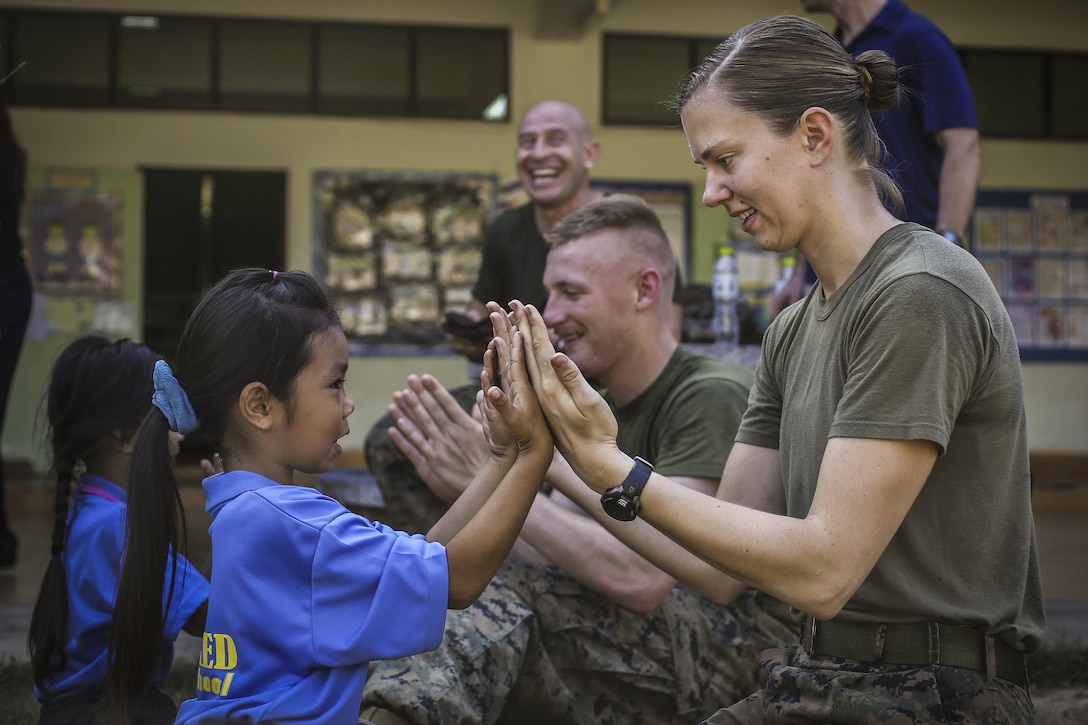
column 916, row 344
column 684, row 423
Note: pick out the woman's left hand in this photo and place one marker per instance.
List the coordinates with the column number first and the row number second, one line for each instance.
column 583, row 426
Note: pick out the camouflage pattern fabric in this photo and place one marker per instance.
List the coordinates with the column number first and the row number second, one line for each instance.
column 538, row 647
column 802, row 689
column 409, row 504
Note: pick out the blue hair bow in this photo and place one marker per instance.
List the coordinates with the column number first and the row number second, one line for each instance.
column 172, row 401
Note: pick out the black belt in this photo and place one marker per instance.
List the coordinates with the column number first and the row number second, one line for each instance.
column 919, row 644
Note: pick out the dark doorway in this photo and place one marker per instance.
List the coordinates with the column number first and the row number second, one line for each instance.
column 199, row 225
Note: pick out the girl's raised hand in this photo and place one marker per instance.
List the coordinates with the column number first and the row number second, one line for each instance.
column 513, row 421
column 582, row 425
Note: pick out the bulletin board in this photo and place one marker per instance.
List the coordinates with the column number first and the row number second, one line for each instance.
column 396, row 250
column 1034, row 246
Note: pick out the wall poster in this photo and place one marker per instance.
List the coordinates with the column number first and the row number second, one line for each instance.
column 75, row 242
column 1034, row 246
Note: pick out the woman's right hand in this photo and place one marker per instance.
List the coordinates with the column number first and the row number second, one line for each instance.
column 582, row 425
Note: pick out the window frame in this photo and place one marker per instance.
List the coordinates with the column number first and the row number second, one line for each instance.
column 1048, row 95
column 694, row 59
column 10, row 23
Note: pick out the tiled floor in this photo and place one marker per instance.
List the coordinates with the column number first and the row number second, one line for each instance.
column 1061, row 519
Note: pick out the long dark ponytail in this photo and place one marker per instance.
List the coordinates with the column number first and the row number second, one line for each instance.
column 97, row 387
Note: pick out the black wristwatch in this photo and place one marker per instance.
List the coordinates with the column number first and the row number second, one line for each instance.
column 952, row 236
column 622, row 502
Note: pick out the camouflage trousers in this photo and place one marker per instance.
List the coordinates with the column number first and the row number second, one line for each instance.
column 538, row 647
column 409, row 504
column 798, row 688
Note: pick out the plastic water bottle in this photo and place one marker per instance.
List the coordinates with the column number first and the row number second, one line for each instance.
column 725, row 288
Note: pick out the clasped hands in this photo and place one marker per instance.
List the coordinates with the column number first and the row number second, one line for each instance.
column 445, row 444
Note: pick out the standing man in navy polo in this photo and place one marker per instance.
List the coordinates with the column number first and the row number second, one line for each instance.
column 931, row 137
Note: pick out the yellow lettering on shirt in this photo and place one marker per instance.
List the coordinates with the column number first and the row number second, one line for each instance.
column 214, row 685
column 217, row 655
column 219, row 652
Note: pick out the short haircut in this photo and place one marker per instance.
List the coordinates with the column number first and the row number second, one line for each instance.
column 623, row 212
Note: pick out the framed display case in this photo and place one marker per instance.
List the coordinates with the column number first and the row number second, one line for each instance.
column 396, row 250
column 1034, row 245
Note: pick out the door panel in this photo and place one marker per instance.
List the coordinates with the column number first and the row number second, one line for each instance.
column 199, row 225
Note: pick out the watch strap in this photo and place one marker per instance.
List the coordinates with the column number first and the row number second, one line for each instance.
column 636, row 480
column 622, row 501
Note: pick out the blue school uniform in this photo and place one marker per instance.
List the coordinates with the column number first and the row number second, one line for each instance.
column 92, row 564
column 304, row 594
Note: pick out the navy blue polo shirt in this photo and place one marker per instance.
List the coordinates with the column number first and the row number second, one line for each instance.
column 937, row 97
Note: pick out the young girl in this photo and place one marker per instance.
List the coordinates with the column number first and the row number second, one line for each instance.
column 98, row 394
column 879, row 480
column 304, row 592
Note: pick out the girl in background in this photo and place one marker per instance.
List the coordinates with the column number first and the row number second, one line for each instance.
column 98, row 394
column 304, row 592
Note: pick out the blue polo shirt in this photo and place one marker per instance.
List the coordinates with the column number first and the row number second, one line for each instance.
column 304, row 594
column 938, row 97
column 92, row 565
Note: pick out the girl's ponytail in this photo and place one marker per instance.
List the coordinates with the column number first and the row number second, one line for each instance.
column 48, row 623
column 156, row 528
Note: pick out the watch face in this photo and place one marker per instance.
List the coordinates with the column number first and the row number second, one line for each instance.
column 619, row 506
column 622, row 502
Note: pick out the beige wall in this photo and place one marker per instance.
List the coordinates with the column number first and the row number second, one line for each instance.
column 118, row 142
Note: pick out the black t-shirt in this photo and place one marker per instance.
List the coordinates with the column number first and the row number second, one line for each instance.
column 513, row 261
